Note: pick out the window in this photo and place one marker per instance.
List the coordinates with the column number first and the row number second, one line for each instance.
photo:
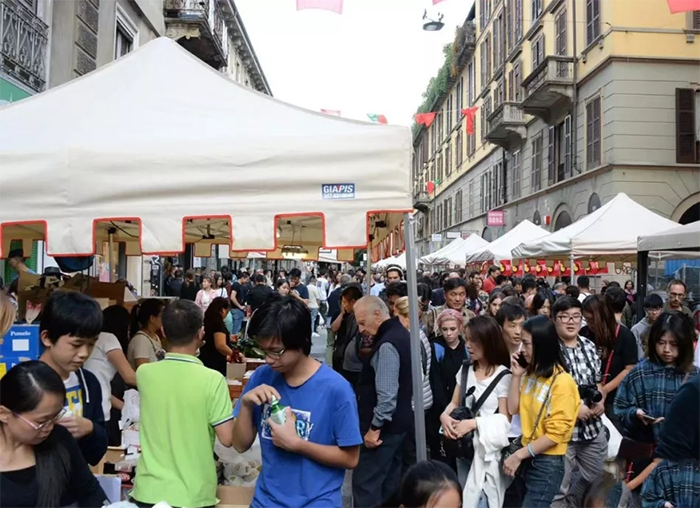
column 518, row 81
column 471, row 84
column 449, row 213
column 458, row 142
column 687, row 125
column 537, row 52
column 458, row 96
column 511, row 91
column 592, row 20
column 695, row 25
column 515, row 163
column 440, row 120
column 537, row 163
column 486, row 112
column 482, row 62
column 564, row 152
column 125, row 34
column 471, row 138
column 560, row 27
column 500, row 93
column 470, row 209
column 449, row 114
column 593, row 127
column 440, row 167
column 509, row 26
column 497, row 184
column 518, row 21
column 551, row 156
column 496, row 44
column 448, row 160
column 536, row 10
column 433, row 170
column 488, row 61
column 486, row 191
column 502, row 44
column 458, row 206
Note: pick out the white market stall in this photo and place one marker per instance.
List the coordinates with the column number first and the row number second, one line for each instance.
column 500, row 249
column 429, row 259
column 459, row 253
column 609, row 233
column 158, row 150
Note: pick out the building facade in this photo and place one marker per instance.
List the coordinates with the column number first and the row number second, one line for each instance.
column 577, row 101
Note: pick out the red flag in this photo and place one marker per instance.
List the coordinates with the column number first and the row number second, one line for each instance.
column 437, row 1
column 332, row 112
column 326, row 5
column 676, row 6
column 430, row 187
column 425, row 118
column 377, row 118
column 469, row 113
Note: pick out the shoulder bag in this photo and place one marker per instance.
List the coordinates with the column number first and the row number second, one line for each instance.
column 517, row 443
column 463, row 448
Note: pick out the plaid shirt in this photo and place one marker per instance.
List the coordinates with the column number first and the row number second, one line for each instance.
column 675, row 482
column 651, row 388
column 583, row 364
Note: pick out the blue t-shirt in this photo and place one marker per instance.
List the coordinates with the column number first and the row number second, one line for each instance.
column 326, row 412
column 302, row 291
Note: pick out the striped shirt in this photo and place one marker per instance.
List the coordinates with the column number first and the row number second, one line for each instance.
column 583, row 363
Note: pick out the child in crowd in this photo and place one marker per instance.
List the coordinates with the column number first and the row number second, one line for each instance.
column 427, row 484
column 70, row 325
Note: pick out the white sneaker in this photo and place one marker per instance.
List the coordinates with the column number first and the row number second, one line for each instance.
column 314, row 335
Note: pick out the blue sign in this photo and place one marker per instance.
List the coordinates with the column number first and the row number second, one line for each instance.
column 338, row 191
column 22, row 341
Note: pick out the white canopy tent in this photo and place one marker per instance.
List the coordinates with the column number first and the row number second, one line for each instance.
column 170, row 151
column 429, row 259
column 158, row 150
column 680, row 237
column 611, row 232
column 500, row 249
column 458, row 254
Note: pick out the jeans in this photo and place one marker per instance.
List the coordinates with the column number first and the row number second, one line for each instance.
column 378, row 474
column 237, row 315
column 588, row 457
column 330, row 345
column 543, row 476
column 314, row 315
column 463, row 467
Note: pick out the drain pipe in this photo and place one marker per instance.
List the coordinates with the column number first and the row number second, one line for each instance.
column 574, row 119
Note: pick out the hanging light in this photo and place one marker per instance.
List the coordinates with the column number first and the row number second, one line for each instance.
column 294, row 251
column 432, row 25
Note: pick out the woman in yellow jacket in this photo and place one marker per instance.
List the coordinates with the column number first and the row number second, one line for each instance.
column 547, row 399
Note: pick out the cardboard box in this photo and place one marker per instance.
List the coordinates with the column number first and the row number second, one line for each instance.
column 234, row 497
column 21, row 341
column 235, row 370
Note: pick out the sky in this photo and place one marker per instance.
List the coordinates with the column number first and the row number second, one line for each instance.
column 374, row 58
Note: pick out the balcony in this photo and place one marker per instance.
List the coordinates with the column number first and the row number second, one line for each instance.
column 506, row 125
column 23, row 43
column 549, row 88
column 199, row 27
column 464, row 45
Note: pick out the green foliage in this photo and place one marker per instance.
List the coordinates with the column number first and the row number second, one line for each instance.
column 248, row 347
column 438, row 86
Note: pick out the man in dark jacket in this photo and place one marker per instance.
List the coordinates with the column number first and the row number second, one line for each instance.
column 384, row 394
column 70, row 325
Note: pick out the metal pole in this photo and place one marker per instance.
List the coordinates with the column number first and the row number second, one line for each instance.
column 369, row 266
column 573, row 265
column 642, row 276
column 110, row 258
column 416, row 365
column 574, row 116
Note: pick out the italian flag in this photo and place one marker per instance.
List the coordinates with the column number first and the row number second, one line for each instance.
column 377, row 118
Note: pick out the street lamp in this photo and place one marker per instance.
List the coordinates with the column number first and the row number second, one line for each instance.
column 431, row 25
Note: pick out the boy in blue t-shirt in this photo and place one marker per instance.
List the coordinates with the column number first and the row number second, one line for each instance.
column 304, row 460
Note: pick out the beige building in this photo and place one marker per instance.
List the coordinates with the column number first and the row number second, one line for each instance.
column 577, row 101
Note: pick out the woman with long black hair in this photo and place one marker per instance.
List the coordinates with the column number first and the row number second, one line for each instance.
column 145, row 345
column 616, row 345
column 546, row 397
column 216, row 350
column 41, row 463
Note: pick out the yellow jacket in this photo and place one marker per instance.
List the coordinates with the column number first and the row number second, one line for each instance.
column 559, row 417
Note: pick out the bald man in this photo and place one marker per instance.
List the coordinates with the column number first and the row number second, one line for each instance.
column 384, row 403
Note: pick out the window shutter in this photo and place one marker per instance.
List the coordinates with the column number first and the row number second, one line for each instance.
column 685, row 125
column 696, row 20
column 551, row 156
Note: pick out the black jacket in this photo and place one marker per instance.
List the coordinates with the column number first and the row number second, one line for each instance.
column 93, row 446
column 444, row 366
column 393, row 332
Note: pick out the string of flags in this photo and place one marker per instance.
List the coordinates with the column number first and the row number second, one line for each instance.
column 332, row 112
column 676, row 6
column 325, row 5
column 377, row 118
column 427, row 119
column 542, row 268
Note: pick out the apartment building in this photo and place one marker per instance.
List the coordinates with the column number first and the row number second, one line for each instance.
column 577, row 101
column 46, row 43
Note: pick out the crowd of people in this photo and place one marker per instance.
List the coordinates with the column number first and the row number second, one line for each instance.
column 524, row 387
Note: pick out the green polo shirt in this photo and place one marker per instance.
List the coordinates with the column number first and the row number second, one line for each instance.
column 181, row 403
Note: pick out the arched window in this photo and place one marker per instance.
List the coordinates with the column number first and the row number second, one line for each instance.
column 593, row 203
column 536, row 219
column 563, row 220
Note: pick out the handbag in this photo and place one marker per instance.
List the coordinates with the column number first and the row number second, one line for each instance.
column 517, row 443
column 463, row 448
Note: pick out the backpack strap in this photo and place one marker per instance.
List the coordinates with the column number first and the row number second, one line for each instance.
column 463, row 381
column 492, row 386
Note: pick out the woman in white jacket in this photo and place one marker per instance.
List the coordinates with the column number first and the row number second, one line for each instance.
column 488, row 371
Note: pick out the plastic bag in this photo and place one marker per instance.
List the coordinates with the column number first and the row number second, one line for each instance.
column 130, row 413
column 239, row 469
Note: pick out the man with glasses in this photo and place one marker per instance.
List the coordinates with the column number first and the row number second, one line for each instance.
column 653, row 306
column 588, row 446
column 305, row 458
column 676, row 297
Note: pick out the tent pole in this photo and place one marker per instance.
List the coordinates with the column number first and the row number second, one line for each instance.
column 642, row 276
column 111, row 253
column 369, row 267
column 416, row 365
column 573, row 265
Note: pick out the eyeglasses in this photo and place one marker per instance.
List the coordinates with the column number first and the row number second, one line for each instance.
column 677, row 295
column 564, row 318
column 274, row 354
column 44, row 425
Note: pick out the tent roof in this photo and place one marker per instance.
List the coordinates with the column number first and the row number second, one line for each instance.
column 458, row 254
column 681, row 237
column 429, row 259
column 500, row 249
column 609, row 232
column 172, row 151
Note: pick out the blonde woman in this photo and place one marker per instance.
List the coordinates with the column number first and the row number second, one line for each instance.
column 7, row 314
